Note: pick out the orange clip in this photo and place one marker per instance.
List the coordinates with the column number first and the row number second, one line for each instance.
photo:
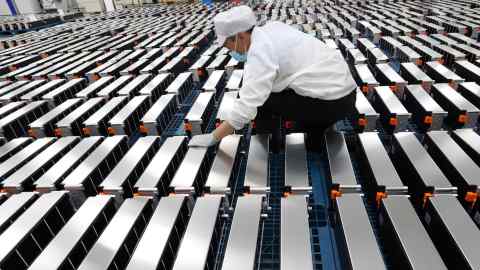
column 365, row 89
column 451, row 84
column 57, row 132
column 188, row 126
column 111, row 131
column 335, row 194
column 102, row 193
column 200, row 72
column 419, row 62
column 393, row 88
column 441, row 61
column 95, row 77
column 43, row 55
column 362, row 122
column 471, row 197
column 379, row 196
column 31, row 133
column 143, row 129
column 393, row 121
column 462, row 118
column 428, row 120
column 136, row 194
column 86, row 131
column 426, row 195
column 286, row 194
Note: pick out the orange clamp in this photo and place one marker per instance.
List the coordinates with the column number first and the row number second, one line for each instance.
column 362, row 122
column 143, row 129
column 335, row 194
column 394, row 88
column 57, row 132
column 31, row 133
column 428, row 120
column 286, row 194
column 379, row 196
column 419, row 62
column 111, row 131
column 365, row 89
column 393, row 121
column 462, row 118
column 95, row 77
column 188, row 126
column 426, row 195
column 471, row 197
column 86, row 131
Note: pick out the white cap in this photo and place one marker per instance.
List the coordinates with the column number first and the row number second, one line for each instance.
column 233, row 21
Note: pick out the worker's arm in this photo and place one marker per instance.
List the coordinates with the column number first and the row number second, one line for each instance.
column 259, row 74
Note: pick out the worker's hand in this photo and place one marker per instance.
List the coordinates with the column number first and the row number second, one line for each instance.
column 204, row 140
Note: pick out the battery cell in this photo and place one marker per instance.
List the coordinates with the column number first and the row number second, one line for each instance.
column 426, row 113
column 158, row 117
column 393, row 115
column 157, row 176
column 461, row 112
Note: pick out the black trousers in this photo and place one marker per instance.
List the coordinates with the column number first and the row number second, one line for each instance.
column 311, row 115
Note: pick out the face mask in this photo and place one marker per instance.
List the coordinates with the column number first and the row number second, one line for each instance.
column 240, row 57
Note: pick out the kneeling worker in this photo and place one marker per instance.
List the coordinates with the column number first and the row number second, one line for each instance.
column 287, row 74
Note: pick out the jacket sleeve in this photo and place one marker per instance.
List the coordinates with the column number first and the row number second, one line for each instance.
column 259, row 73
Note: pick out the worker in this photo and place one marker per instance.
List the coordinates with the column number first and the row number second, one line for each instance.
column 288, row 75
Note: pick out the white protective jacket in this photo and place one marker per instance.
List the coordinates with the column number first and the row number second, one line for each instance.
column 282, row 57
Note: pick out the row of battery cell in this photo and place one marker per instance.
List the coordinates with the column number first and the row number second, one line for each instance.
column 125, row 30
column 101, row 100
column 97, row 64
column 462, row 104
column 45, row 232
column 125, row 62
column 440, row 179
column 98, row 164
